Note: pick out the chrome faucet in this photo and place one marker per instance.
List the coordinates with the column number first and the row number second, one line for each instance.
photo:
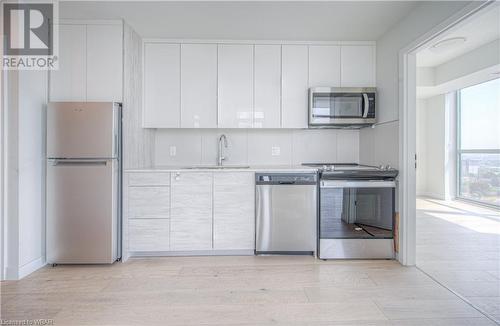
column 220, row 157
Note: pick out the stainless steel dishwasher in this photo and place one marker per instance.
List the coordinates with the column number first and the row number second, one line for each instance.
column 286, row 208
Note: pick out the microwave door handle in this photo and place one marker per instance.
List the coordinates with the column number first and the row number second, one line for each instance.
column 366, row 105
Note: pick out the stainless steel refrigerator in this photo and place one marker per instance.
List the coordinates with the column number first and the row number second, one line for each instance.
column 83, row 182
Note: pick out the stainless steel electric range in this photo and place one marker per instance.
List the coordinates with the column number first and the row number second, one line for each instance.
column 356, row 211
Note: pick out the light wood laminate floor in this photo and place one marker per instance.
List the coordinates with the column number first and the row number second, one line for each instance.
column 268, row 290
column 459, row 245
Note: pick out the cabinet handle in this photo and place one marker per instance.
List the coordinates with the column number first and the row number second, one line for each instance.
column 177, row 176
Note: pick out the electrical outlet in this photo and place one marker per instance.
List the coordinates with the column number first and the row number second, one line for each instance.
column 275, row 151
column 173, row 150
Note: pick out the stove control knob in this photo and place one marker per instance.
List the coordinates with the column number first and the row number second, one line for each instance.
column 381, row 167
column 388, row 167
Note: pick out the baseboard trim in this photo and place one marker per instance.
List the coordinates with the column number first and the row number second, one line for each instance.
column 242, row 252
column 32, row 266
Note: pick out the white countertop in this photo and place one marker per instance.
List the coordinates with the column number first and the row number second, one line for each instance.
column 252, row 168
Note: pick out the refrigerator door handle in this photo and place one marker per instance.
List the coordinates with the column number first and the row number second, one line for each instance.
column 77, row 162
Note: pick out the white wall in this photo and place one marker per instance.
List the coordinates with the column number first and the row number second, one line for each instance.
column 481, row 58
column 436, row 146
column 25, row 173
column 471, row 68
column 255, row 146
column 422, row 19
column 431, row 147
column 32, row 106
column 421, row 145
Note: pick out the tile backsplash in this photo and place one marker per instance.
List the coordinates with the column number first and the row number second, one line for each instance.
column 256, row 146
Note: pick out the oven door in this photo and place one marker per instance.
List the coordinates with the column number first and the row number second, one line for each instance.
column 340, row 106
column 357, row 209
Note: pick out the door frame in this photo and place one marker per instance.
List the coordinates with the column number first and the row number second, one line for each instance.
column 407, row 126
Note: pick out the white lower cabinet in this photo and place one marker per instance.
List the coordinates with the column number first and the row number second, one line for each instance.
column 149, row 234
column 191, row 222
column 193, row 211
column 234, row 217
column 149, row 202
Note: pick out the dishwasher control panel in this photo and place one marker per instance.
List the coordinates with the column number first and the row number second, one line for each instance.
column 286, row 178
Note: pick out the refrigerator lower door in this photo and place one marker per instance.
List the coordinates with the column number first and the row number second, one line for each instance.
column 82, row 211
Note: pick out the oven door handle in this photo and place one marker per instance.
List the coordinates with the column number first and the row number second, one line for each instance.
column 366, row 105
column 357, row 184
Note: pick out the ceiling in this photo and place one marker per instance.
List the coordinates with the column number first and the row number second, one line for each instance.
column 481, row 29
column 259, row 20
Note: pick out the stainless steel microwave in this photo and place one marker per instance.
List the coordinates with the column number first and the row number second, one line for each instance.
column 341, row 107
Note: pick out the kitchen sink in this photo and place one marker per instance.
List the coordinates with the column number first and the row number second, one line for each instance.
column 216, row 167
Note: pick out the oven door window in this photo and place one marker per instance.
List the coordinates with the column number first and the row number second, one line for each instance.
column 353, row 213
column 374, row 208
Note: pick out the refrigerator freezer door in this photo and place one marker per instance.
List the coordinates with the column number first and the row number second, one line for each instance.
column 82, row 211
column 82, row 130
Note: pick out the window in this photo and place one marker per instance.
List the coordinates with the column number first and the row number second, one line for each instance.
column 479, row 143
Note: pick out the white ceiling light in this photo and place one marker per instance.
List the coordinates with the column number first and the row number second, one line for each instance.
column 448, row 44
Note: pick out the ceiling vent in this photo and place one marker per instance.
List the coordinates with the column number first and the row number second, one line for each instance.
column 448, row 44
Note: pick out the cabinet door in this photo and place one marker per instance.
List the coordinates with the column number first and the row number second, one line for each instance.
column 234, row 217
column 324, row 66
column 358, row 66
column 149, row 234
column 235, row 71
column 191, row 211
column 198, row 85
column 104, row 63
column 267, row 95
column 68, row 82
column 149, row 202
column 294, row 86
column 161, row 85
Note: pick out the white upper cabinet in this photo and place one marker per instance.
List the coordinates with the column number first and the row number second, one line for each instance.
column 104, row 62
column 68, row 83
column 90, row 63
column 358, row 66
column 162, row 67
column 199, row 86
column 267, row 89
column 324, row 66
column 294, row 86
column 235, row 71
column 195, row 85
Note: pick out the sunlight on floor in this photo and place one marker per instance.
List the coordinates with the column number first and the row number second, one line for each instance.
column 458, row 244
column 474, row 223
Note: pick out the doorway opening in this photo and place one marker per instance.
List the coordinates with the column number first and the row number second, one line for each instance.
column 457, row 146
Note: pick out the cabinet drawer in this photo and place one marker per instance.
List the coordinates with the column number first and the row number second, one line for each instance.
column 191, row 178
column 149, row 234
column 234, row 178
column 149, row 179
column 149, row 202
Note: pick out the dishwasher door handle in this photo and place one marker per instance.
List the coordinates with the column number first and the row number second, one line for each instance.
column 286, row 182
